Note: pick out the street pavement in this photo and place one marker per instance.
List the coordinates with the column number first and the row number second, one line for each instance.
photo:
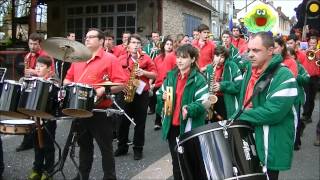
column 156, row 162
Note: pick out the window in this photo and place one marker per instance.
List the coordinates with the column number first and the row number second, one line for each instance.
column 191, row 22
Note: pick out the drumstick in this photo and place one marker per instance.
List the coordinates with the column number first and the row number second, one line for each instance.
column 39, row 132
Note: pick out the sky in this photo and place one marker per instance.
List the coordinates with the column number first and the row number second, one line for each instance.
column 287, row 5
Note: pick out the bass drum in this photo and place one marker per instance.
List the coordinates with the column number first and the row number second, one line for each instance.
column 210, row 152
column 9, row 99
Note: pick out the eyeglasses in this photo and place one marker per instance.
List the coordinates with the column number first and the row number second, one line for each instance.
column 90, row 37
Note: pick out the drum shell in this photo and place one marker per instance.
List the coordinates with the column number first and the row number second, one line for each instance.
column 208, row 154
column 9, row 99
column 16, row 129
column 79, row 101
column 38, row 98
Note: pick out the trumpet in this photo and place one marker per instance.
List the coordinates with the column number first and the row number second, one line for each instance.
column 313, row 55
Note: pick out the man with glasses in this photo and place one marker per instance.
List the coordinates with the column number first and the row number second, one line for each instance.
column 137, row 109
column 99, row 126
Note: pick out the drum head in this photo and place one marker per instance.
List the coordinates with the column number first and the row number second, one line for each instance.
column 36, row 113
column 17, row 122
column 78, row 113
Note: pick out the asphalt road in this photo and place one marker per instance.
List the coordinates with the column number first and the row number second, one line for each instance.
column 156, row 163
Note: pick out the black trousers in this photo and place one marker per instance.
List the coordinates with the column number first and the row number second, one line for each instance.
column 137, row 110
column 98, row 127
column 173, row 133
column 273, row 175
column 311, row 91
column 116, row 119
column 1, row 158
column 153, row 100
column 44, row 157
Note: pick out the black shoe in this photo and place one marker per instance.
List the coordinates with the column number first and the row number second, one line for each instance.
column 151, row 112
column 157, row 127
column 306, row 120
column 23, row 147
column 137, row 155
column 120, row 152
column 296, row 147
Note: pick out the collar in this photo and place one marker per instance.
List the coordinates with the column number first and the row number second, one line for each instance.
column 185, row 75
column 99, row 54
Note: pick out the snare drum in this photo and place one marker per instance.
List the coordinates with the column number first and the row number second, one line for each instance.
column 9, row 99
column 39, row 98
column 79, row 100
column 16, row 126
column 210, row 152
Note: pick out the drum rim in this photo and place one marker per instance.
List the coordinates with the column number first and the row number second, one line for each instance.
column 245, row 175
column 80, row 85
column 36, row 78
column 208, row 128
column 12, row 82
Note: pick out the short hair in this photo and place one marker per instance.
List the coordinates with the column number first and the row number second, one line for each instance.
column 126, row 32
column 221, row 50
column 226, row 32
column 313, row 37
column 100, row 32
column 236, row 27
column 281, row 43
column 155, row 32
column 267, row 39
column 203, row 27
column 195, row 29
column 69, row 33
column 136, row 36
column 292, row 37
column 108, row 33
column 45, row 60
column 36, row 37
column 187, row 50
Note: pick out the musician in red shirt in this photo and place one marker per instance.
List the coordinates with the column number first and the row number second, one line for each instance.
column 99, row 127
column 205, row 46
column 137, row 109
column 121, row 49
column 237, row 41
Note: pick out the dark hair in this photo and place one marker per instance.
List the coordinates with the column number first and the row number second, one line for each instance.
column 313, row 37
column 195, row 29
column 69, row 33
column 291, row 51
column 281, row 43
column 221, row 50
column 100, row 32
column 225, row 32
column 162, row 50
column 45, row 60
column 126, row 32
column 267, row 39
column 108, row 33
column 136, row 36
column 155, row 32
column 236, row 27
column 202, row 27
column 187, row 50
column 293, row 37
column 36, row 37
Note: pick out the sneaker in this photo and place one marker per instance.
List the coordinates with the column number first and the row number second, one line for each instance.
column 45, row 176
column 35, row 175
column 157, row 127
column 129, row 143
column 120, row 152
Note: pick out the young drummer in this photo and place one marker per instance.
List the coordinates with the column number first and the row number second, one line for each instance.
column 189, row 89
column 225, row 84
column 44, row 156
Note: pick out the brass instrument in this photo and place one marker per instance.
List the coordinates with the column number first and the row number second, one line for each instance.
column 212, row 97
column 27, row 63
column 313, row 55
column 168, row 102
column 133, row 83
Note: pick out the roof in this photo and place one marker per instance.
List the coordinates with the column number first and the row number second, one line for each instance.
column 203, row 4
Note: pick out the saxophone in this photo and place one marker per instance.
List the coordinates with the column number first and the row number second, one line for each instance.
column 27, row 63
column 212, row 97
column 133, row 83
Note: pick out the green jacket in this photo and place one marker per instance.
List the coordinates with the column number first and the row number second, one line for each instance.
column 302, row 79
column 195, row 91
column 230, row 85
column 147, row 49
column 273, row 116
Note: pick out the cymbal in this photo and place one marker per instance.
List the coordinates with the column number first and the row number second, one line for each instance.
column 66, row 50
column 108, row 83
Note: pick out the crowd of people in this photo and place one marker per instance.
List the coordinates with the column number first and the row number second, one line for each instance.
column 265, row 81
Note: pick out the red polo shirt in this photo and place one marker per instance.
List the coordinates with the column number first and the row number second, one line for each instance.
column 32, row 59
column 94, row 70
column 145, row 63
column 241, row 44
column 119, row 50
column 159, row 62
column 206, row 52
column 291, row 64
column 218, row 77
column 310, row 66
column 181, row 83
column 253, row 79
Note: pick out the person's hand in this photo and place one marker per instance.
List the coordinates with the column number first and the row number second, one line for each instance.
column 184, row 112
column 30, row 72
column 164, row 95
column 100, row 91
column 216, row 87
column 140, row 72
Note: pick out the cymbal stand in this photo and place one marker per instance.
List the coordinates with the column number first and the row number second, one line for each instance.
column 69, row 146
column 124, row 113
